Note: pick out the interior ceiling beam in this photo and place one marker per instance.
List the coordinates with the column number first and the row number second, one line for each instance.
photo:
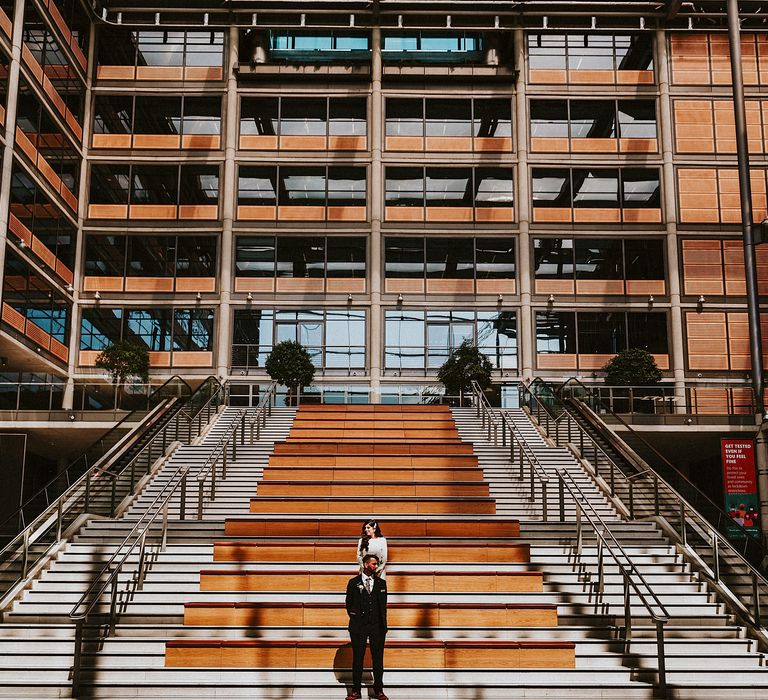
column 673, row 7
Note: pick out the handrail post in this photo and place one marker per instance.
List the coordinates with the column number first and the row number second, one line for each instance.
column 756, row 612
column 242, row 429
column 683, row 532
column 59, row 518
column 113, row 603
column 224, row 463
column 627, row 613
column 544, row 500
column 662, row 659
column 77, row 657
column 87, row 504
column 656, row 493
column 631, row 498
column 112, row 497
column 142, row 561
column 561, row 491
column 234, row 444
column 25, row 555
column 200, row 488
column 183, row 498
column 715, row 555
column 164, row 538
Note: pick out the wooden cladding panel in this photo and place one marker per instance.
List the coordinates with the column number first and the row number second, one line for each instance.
column 5, row 24
column 254, row 284
column 103, row 284
column 704, row 59
column 111, row 141
column 707, row 340
column 345, row 285
column 404, row 286
column 13, row 318
column 702, row 267
column 195, row 284
column 591, row 77
column 191, row 359
column 555, row 361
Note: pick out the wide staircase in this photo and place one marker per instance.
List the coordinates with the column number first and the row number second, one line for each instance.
column 487, row 598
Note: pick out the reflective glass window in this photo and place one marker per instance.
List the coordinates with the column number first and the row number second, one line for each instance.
column 637, row 119
column 449, row 187
column 347, row 116
column 99, row 327
column 644, row 258
column 345, row 256
column 105, row 256
column 346, row 186
column 590, row 52
column 593, row 119
column 193, row 330
column 301, row 256
column 404, row 257
column 556, row 332
column 549, row 118
column 258, row 116
column 303, row 116
column 157, row 114
column 497, row 337
column 112, row 114
column 553, row 258
column 494, row 187
column 599, row 258
column 196, row 256
column 595, row 188
column 404, row 186
column 255, row 256
column 602, row 333
column 495, row 258
column 492, row 118
column 641, row 188
column 551, row 187
column 546, row 51
column 404, row 117
column 302, row 186
column 151, row 256
column 154, row 184
column 110, row 184
column 202, row 115
column 448, row 117
column 257, row 185
column 199, row 184
column 450, row 258
column 648, row 330
column 149, row 327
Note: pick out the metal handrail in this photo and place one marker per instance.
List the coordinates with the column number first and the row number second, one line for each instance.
column 685, row 517
column 631, row 575
column 485, row 412
column 120, row 425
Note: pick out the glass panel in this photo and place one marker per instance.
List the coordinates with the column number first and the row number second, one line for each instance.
column 346, row 186
column 648, row 330
column 258, row 116
column 347, row 116
column 199, row 184
column 493, row 118
column 551, row 187
column 345, row 334
column 157, row 115
column 495, row 258
column 105, row 256
column 546, row 51
column 640, row 187
column 595, row 188
column 593, row 119
column 590, row 52
column 449, row 187
column 644, row 259
column 404, row 117
column 302, row 186
column 556, row 332
column 202, row 115
column 254, row 327
column 403, row 257
column 637, row 119
column 300, row 256
column 405, row 339
column 196, row 256
column 255, row 256
column 448, row 117
column 549, row 118
column 634, row 52
column 116, row 46
column 599, row 258
column 257, row 185
column 154, row 184
column 302, row 116
column 494, row 187
column 99, row 328
column 450, row 258
column 109, row 184
column 345, row 257
column 161, row 48
column 205, row 49
column 150, row 327
column 602, row 333
column 497, row 337
column 404, row 187
column 112, row 114
column 151, row 256
column 193, row 330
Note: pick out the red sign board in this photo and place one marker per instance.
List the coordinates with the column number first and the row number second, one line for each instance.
column 740, row 485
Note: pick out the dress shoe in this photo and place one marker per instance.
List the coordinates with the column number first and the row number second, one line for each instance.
column 381, row 696
column 354, row 695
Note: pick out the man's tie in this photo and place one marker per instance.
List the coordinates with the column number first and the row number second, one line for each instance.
column 368, row 586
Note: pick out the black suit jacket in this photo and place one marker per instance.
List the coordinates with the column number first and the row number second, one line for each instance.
column 358, row 615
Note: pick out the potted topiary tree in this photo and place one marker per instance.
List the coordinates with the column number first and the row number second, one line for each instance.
column 124, row 360
column 465, row 364
column 633, row 367
column 289, row 364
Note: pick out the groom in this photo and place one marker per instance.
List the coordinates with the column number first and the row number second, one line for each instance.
column 367, row 610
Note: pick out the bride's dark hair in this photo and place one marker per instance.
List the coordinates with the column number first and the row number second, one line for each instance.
column 364, row 539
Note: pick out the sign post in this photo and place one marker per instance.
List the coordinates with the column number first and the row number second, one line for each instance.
column 740, row 485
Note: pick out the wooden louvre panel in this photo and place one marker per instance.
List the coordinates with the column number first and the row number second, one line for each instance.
column 59, row 21
column 586, row 145
column 697, row 195
column 720, row 59
column 638, row 145
column 646, row 287
column 345, row 285
column 258, row 142
column 195, row 284
column 401, row 286
column 59, row 349
column 404, row 143
column 26, row 146
column 211, row 142
column 552, row 214
column 451, row 144
column 307, row 285
column 491, row 144
column 707, row 340
column 107, row 211
column 303, row 143
column 548, row 76
column 690, row 58
column 248, row 212
column 662, row 361
column 152, row 211
column 43, row 252
column 31, row 62
column 301, row 213
column 404, row 213
column 597, row 215
column 694, row 126
column 2, row 115
column 710, row 400
column 160, row 359
column 347, row 143
column 450, row 286
column 591, row 77
column 103, row 284
column 159, row 73
column 448, row 214
column 555, row 361
column 549, row 144
column 759, row 195
column 37, row 335
column 17, row 227
column 599, row 286
column 64, row 272
column 111, row 141
column 69, row 198
column 346, row 213
column 149, row 284
column 203, row 73
column 555, row 287
column 158, row 141
column 749, row 58
column 254, row 284
column 508, row 286
column 634, row 77
column 761, row 253
column 87, row 358
column 5, row 24
column 631, row 215
column 115, row 72
column 735, row 275
column 738, row 341
column 494, row 214
column 597, row 361
column 202, row 212
column 13, row 318
column 702, row 267
column 57, row 100
column 183, row 358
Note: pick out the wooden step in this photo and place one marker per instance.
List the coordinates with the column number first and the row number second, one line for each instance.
column 452, row 447
column 373, row 408
column 464, row 551
column 399, row 653
column 388, row 424
column 269, row 488
column 320, row 433
column 412, row 461
column 270, row 580
column 373, row 473
column 429, row 615
column 376, row 506
column 392, row 526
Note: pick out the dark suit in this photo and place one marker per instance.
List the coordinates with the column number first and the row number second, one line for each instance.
column 367, row 623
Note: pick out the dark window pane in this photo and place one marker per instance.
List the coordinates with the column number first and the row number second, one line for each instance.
column 497, row 337
column 549, row 118
column 196, row 256
column 253, row 327
column 302, row 186
column 403, row 257
column 258, row 116
column 449, row 187
column 450, row 258
column 150, row 327
column 546, row 51
column 202, row 115
column 556, row 332
column 641, row 188
column 494, row 187
column 595, row 188
column 553, row 258
column 347, row 116
column 151, row 256
column 345, row 257
column 448, row 117
column 637, row 119
column 493, row 118
column 644, row 259
column 634, row 52
column 255, row 256
column 199, row 184
column 257, row 186
column 346, row 186
column 205, row 49
column 109, row 184
column 599, row 258
column 301, row 256
column 551, row 187
column 193, row 330
column 99, row 328
column 590, row 52
column 495, row 258
column 105, row 256
column 602, row 333
column 593, row 119
column 112, row 114
column 404, row 117
column 160, row 48
column 157, row 115
column 648, row 331
column 154, row 184
column 302, row 116
column 404, row 187
column 116, row 47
